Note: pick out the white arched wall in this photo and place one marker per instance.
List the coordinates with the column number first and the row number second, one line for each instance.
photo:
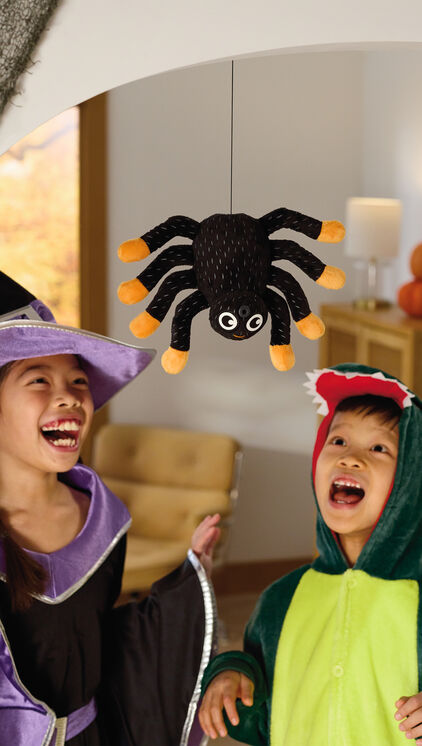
column 90, row 47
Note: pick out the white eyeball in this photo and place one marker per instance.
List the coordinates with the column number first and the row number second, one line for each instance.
column 227, row 320
column 254, row 323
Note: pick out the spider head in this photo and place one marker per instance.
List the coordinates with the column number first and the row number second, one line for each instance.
column 238, row 315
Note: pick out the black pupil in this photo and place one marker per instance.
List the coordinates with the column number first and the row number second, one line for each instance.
column 244, row 311
column 255, row 323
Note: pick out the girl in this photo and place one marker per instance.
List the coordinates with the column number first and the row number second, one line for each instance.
column 73, row 669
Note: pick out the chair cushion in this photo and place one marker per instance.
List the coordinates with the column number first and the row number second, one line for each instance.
column 164, row 456
column 147, row 560
column 170, row 513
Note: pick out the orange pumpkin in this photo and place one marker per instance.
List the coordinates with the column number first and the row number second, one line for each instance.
column 416, row 261
column 410, row 298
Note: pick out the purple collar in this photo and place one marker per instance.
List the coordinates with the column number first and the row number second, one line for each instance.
column 108, row 519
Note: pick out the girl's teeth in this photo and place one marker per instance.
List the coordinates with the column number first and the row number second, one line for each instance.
column 64, row 442
column 65, row 426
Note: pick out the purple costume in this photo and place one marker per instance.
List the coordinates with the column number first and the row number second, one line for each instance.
column 73, row 669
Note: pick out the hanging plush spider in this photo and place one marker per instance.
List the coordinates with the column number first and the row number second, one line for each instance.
column 230, row 266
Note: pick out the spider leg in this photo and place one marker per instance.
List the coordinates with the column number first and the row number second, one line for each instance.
column 308, row 323
column 281, row 353
column 139, row 248
column 175, row 358
column 322, row 274
column 330, row 231
column 137, row 289
column 150, row 319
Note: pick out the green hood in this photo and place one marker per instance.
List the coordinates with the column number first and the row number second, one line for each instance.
column 394, row 549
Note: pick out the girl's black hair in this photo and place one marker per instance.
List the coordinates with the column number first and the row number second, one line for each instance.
column 24, row 576
column 385, row 408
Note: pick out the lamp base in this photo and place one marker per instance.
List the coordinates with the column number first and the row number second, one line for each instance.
column 371, row 304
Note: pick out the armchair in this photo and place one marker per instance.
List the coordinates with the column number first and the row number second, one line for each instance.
column 169, row 479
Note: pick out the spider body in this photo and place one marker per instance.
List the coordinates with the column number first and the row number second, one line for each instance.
column 231, row 266
column 231, row 261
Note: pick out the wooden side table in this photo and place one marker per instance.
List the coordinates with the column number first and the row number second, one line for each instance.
column 386, row 339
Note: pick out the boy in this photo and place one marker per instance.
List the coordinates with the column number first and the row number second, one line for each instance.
column 333, row 651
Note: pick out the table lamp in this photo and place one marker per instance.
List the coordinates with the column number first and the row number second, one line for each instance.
column 372, row 237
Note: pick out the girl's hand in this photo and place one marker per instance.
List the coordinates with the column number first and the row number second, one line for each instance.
column 222, row 694
column 411, row 709
column 204, row 539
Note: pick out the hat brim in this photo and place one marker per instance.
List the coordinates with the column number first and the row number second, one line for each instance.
column 109, row 364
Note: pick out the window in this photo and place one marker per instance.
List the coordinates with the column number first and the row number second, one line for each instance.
column 39, row 215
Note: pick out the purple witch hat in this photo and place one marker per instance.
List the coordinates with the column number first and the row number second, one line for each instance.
column 28, row 329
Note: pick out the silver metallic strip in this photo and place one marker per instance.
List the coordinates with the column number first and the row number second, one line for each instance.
column 61, row 728
column 70, row 330
column 51, row 728
column 29, row 311
column 209, row 642
column 75, row 587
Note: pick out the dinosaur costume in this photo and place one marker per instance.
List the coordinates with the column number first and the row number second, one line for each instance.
column 331, row 648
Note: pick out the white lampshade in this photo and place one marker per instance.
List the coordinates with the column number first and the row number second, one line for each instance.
column 373, row 227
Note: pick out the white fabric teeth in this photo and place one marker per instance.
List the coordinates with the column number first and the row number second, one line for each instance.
column 313, row 376
column 62, row 427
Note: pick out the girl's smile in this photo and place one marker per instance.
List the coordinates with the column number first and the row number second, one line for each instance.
column 45, row 412
column 63, row 433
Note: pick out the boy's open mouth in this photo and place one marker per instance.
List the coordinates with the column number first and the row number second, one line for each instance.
column 62, row 433
column 346, row 491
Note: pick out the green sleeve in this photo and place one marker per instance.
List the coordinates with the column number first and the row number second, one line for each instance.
column 253, row 721
column 236, row 660
column 257, row 661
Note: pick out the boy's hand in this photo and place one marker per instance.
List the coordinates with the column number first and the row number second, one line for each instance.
column 411, row 709
column 222, row 694
column 204, row 539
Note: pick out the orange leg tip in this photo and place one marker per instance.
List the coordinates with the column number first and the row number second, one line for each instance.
column 332, row 278
column 132, row 291
column 173, row 361
column 282, row 357
column 144, row 325
column 311, row 326
column 332, row 231
column 133, row 250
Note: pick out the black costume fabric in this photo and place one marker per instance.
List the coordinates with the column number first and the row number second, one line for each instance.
column 141, row 662
column 59, row 649
column 167, row 622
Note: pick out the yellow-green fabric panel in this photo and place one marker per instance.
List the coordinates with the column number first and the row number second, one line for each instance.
column 347, row 652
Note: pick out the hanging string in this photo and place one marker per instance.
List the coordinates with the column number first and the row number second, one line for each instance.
column 231, row 140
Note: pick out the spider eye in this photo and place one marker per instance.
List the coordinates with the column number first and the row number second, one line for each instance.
column 254, row 323
column 227, row 320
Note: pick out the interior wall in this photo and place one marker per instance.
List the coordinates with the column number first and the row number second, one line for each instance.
column 169, row 153
column 298, row 142
column 91, row 47
column 392, row 162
